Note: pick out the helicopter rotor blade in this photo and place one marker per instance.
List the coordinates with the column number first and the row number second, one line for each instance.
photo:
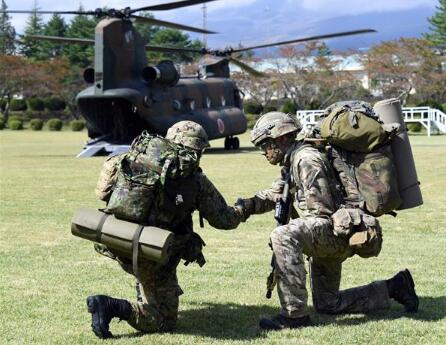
column 172, row 49
column 170, row 5
column 246, row 67
column 62, row 39
column 306, row 39
column 50, row 12
column 158, row 22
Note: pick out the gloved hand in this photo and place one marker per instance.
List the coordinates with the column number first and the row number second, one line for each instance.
column 245, row 207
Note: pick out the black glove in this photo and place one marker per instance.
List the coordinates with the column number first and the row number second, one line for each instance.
column 245, row 207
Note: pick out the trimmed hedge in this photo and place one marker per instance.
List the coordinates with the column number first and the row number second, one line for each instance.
column 288, row 107
column 251, row 119
column 18, row 105
column 36, row 124
column 431, row 104
column 55, row 124
column 269, row 107
column 414, row 127
column 252, row 107
column 15, row 125
column 36, row 104
column 54, row 104
column 77, row 125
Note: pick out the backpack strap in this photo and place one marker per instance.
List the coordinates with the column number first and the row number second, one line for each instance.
column 135, row 249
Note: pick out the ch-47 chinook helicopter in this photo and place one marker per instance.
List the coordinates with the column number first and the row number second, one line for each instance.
column 127, row 95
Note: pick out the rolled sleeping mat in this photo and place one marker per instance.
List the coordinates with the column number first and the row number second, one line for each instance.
column 389, row 111
column 126, row 239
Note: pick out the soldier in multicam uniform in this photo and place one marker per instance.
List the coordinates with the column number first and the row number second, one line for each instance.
column 313, row 184
column 160, row 290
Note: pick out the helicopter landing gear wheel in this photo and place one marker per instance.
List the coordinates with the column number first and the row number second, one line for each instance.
column 232, row 143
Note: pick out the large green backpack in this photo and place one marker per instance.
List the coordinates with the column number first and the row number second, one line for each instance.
column 140, row 175
column 361, row 157
column 353, row 126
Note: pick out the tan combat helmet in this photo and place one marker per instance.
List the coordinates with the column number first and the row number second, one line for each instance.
column 189, row 134
column 273, row 125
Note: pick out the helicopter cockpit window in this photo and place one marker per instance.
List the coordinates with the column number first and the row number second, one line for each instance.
column 208, row 102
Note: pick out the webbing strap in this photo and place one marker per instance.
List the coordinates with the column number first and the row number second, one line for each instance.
column 99, row 228
column 135, row 249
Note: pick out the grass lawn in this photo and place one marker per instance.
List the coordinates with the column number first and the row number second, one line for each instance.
column 46, row 273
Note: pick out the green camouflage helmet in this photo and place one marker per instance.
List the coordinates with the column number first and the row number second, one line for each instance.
column 189, row 134
column 273, row 125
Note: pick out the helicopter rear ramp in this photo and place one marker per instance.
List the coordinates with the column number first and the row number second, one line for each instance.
column 100, row 147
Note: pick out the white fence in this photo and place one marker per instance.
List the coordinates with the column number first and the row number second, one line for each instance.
column 428, row 117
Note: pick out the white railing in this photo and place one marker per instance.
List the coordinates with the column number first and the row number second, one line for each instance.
column 430, row 118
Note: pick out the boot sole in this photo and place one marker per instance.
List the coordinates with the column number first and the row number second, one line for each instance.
column 96, row 319
column 411, row 284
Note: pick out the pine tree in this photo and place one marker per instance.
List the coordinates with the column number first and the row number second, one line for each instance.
column 438, row 27
column 34, row 26
column 7, row 32
column 80, row 27
column 55, row 27
column 174, row 38
column 146, row 31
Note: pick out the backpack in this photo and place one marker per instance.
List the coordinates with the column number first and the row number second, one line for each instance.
column 353, row 126
column 139, row 176
column 360, row 154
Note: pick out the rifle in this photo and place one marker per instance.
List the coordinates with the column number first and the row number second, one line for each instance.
column 281, row 215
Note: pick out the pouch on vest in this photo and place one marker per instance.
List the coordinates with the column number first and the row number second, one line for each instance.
column 353, row 126
column 108, row 177
column 363, row 231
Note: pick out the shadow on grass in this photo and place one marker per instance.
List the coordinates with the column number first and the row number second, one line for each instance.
column 430, row 309
column 240, row 322
column 224, row 321
column 221, row 150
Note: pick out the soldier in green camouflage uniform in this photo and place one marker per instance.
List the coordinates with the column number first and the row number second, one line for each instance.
column 159, row 284
column 313, row 186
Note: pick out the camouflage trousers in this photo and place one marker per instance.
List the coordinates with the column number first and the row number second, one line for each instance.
column 160, row 292
column 314, row 237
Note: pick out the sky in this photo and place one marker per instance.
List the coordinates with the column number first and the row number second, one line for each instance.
column 253, row 22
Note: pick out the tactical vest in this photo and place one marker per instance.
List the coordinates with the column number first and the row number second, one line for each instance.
column 361, row 157
column 156, row 174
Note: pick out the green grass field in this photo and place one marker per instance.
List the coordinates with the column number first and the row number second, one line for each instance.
column 46, row 273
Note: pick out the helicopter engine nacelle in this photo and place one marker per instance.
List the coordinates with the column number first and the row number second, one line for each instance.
column 164, row 73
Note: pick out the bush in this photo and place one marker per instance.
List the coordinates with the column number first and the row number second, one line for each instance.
column 252, row 107
column 251, row 120
column 15, row 125
column 77, row 125
column 414, row 127
column 288, row 107
column 269, row 107
column 431, row 104
column 15, row 118
column 55, row 124
column 36, row 104
column 18, row 105
column 36, row 124
column 2, row 104
column 55, row 104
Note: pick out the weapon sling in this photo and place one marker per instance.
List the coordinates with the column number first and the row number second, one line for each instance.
column 282, row 216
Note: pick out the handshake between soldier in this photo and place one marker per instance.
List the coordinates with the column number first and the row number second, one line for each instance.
column 310, row 181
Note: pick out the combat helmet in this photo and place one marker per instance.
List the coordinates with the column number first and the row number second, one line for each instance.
column 189, row 134
column 273, row 125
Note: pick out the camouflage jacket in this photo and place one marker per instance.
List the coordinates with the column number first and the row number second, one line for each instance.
column 183, row 196
column 313, row 185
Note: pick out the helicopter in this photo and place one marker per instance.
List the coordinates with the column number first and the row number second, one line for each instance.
column 127, row 95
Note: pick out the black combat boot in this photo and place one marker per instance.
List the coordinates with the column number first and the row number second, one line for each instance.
column 103, row 309
column 280, row 322
column 402, row 289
